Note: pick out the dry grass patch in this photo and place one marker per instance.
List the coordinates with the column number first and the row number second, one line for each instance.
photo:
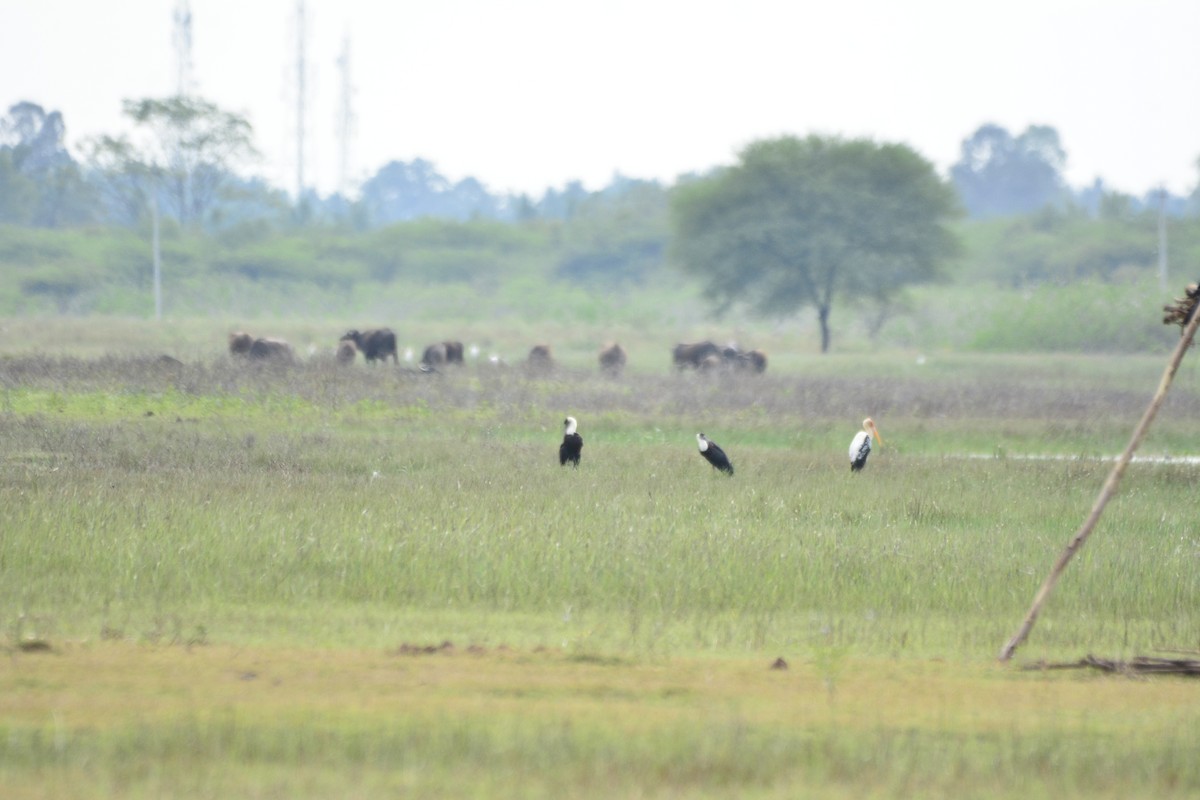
column 489, row 720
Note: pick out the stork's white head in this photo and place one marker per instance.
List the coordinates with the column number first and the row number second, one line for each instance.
column 569, row 425
column 702, row 441
column 869, row 427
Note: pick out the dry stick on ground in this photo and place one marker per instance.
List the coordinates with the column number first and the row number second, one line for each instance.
column 1106, row 493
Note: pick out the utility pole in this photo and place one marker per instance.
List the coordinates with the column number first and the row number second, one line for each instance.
column 345, row 117
column 301, row 96
column 1162, row 239
column 157, row 254
column 182, row 42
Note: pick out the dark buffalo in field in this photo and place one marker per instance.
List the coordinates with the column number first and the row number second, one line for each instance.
column 434, row 356
column 541, row 358
column 692, row 356
column 441, row 353
column 454, row 352
column 375, row 344
column 244, row 345
column 612, row 359
column 754, row 360
column 240, row 343
column 746, row 360
column 271, row 350
column 346, row 352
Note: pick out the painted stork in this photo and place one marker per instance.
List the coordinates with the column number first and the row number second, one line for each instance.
column 860, row 446
column 572, row 443
column 713, row 454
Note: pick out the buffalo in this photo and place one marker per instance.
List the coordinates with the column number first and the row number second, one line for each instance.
column 435, row 355
column 750, row 360
column 272, row 350
column 612, row 359
column 692, row 356
column 346, row 351
column 755, row 360
column 439, row 353
column 244, row 345
column 240, row 343
column 541, row 358
column 454, row 352
column 375, row 344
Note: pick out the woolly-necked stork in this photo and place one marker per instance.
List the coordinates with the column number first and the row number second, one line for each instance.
column 713, row 454
column 572, row 443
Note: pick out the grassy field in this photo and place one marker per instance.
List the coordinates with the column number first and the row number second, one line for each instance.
column 226, row 579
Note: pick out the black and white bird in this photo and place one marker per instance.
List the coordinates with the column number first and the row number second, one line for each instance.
column 860, row 446
column 714, row 454
column 572, row 443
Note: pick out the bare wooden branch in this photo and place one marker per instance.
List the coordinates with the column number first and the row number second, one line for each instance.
column 1139, row 665
column 1106, row 493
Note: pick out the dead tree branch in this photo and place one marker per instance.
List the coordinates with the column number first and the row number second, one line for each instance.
column 1114, row 478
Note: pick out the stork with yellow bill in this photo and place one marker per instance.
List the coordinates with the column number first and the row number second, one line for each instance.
column 860, row 446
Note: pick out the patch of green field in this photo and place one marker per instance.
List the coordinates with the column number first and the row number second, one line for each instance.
column 118, row 720
column 237, row 571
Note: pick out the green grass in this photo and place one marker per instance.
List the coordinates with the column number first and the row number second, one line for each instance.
column 236, row 569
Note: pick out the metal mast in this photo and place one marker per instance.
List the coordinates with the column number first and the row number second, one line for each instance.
column 1162, row 238
column 181, row 39
column 345, row 117
column 301, row 95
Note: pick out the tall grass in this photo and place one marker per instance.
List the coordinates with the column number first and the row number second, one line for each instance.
column 213, row 488
column 245, row 572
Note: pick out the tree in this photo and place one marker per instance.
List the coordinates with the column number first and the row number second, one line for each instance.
column 1000, row 175
column 617, row 235
column 40, row 183
column 401, row 192
column 185, row 146
column 18, row 194
column 800, row 222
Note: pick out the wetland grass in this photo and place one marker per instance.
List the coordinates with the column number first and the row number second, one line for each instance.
column 229, row 564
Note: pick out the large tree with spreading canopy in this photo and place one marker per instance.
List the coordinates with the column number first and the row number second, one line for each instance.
column 801, row 222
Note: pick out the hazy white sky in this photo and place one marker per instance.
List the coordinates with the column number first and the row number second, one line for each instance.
column 526, row 94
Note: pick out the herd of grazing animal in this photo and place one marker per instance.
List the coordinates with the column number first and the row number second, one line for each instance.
column 706, row 356
column 379, row 344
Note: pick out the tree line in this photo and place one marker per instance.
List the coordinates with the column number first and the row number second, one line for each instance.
column 795, row 223
column 194, row 154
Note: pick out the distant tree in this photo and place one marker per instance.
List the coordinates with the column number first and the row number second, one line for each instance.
column 185, row 146
column 563, row 203
column 800, row 222
column 40, row 184
column 35, row 137
column 998, row 174
column 617, row 235
column 401, row 192
column 18, row 194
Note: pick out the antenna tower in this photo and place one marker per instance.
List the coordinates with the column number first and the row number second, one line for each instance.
column 181, row 39
column 345, row 117
column 301, row 94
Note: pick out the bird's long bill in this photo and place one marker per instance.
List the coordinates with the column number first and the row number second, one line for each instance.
column 875, row 433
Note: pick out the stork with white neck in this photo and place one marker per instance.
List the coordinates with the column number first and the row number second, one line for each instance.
column 860, row 446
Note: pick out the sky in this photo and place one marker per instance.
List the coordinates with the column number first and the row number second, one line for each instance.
column 525, row 95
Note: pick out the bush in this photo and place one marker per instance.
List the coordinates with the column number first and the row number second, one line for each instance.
column 1085, row 317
